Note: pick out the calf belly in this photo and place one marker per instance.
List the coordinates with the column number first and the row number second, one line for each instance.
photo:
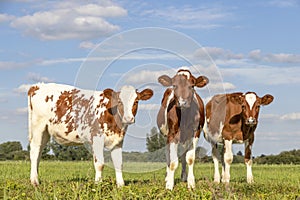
column 62, row 136
column 213, row 136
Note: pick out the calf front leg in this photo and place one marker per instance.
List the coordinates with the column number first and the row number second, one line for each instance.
column 116, row 155
column 190, row 159
column 98, row 148
column 172, row 164
column 215, row 157
column 248, row 162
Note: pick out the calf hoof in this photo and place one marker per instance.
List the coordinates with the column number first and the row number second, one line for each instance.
column 120, row 184
column 35, row 183
column 250, row 180
column 217, row 179
column 169, row 185
column 191, row 184
column 183, row 178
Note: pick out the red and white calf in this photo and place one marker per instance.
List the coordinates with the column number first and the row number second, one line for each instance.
column 73, row 116
column 232, row 118
column 180, row 119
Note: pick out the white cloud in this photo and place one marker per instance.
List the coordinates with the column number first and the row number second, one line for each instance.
column 258, row 67
column 13, row 65
column 73, row 22
column 290, row 116
column 284, row 4
column 21, row 111
column 96, row 10
column 287, row 116
column 150, row 76
column 146, row 76
column 149, row 106
column 257, row 55
column 38, row 78
column 22, row 88
column 270, row 116
column 190, row 17
column 224, row 86
column 87, row 45
column 267, row 75
column 6, row 17
column 216, row 53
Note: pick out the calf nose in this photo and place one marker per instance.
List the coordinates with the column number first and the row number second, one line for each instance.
column 128, row 120
column 251, row 121
column 183, row 103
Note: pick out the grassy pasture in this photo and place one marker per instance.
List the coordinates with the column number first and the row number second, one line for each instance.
column 74, row 180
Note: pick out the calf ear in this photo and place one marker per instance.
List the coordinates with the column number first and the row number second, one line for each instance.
column 201, row 81
column 165, row 80
column 236, row 98
column 108, row 93
column 267, row 99
column 145, row 94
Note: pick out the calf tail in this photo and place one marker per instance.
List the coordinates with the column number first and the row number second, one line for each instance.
column 29, row 118
column 31, row 93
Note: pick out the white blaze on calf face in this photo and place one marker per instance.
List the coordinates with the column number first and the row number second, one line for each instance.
column 250, row 98
column 187, row 74
column 127, row 97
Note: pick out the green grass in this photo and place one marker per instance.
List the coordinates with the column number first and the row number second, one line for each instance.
column 74, row 180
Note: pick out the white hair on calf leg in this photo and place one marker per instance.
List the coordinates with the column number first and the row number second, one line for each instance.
column 228, row 157
column 98, row 148
column 190, row 158
column 173, row 166
column 116, row 156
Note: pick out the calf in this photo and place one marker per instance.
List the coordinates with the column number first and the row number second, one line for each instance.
column 73, row 117
column 180, row 119
column 232, row 118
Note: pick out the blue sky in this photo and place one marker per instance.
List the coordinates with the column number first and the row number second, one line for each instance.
column 243, row 46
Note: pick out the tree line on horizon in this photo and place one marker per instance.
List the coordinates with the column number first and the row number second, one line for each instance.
column 155, row 143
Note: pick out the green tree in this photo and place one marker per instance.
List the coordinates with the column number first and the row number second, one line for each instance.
column 12, row 151
column 9, row 147
column 155, row 140
column 63, row 152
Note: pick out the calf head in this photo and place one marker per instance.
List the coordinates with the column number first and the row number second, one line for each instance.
column 125, row 102
column 183, row 86
column 250, row 103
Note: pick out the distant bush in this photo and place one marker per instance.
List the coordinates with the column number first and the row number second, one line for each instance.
column 285, row 157
column 13, row 151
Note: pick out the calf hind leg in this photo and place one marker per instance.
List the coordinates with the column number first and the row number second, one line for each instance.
column 98, row 147
column 183, row 169
column 215, row 157
column 40, row 138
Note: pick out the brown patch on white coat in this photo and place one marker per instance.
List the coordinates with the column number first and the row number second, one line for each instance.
column 73, row 117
